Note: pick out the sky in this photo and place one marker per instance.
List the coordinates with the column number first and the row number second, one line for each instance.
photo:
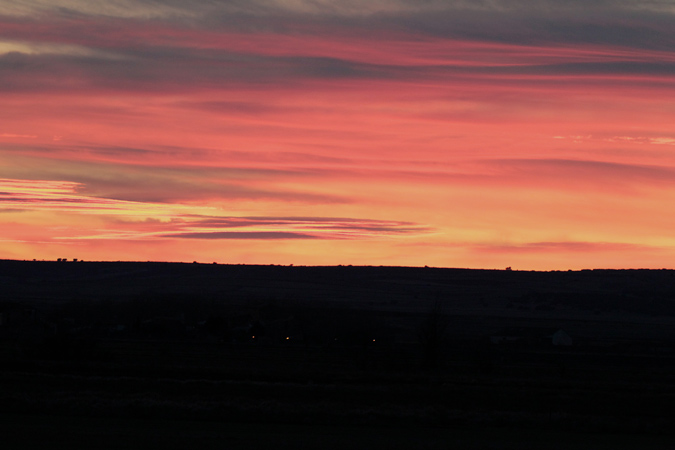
column 538, row 135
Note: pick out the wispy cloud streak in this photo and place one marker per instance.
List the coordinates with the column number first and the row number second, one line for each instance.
column 184, row 221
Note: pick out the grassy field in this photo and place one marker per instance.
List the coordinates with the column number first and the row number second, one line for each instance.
column 36, row 432
column 132, row 355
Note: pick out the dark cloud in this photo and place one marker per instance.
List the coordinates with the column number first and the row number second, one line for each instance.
column 148, row 52
column 195, row 72
column 7, row 197
column 320, row 224
column 658, row 68
column 172, row 186
column 320, row 228
column 157, row 184
column 584, row 169
column 556, row 247
column 176, row 70
column 545, row 26
column 12, row 210
column 239, row 107
column 294, row 162
column 264, row 235
column 643, row 24
column 191, row 226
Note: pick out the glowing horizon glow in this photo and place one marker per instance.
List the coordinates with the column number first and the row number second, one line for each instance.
column 523, row 134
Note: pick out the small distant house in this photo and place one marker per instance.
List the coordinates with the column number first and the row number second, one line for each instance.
column 532, row 336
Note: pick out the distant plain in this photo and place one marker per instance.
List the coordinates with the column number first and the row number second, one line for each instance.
column 373, row 356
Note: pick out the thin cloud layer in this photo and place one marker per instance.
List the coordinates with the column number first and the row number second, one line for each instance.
column 159, row 221
column 643, row 24
column 567, row 247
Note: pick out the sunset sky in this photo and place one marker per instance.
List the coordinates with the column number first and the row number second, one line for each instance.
column 481, row 134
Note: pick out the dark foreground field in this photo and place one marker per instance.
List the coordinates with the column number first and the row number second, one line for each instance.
column 152, row 355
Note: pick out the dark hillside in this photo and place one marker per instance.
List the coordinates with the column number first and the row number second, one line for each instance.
column 423, row 351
